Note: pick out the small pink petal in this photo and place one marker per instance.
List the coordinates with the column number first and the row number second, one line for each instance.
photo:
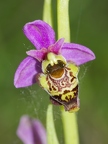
column 56, row 48
column 37, row 54
column 77, row 53
column 26, row 72
column 39, row 33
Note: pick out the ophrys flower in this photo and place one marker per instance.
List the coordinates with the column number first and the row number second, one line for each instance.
column 54, row 65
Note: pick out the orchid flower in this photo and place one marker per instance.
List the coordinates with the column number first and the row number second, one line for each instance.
column 55, row 58
column 31, row 131
column 42, row 36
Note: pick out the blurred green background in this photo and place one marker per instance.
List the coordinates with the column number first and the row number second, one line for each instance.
column 89, row 26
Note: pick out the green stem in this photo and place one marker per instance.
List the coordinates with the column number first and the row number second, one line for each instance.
column 47, row 12
column 51, row 133
column 69, row 119
column 70, row 127
column 63, row 19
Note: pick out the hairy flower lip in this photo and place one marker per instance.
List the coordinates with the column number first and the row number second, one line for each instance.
column 42, row 36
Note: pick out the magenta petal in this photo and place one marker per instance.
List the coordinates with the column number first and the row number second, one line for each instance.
column 56, row 48
column 39, row 33
column 31, row 131
column 77, row 53
column 26, row 72
column 37, row 54
column 39, row 133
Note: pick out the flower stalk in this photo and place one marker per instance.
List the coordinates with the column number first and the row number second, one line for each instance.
column 63, row 19
column 51, row 133
column 47, row 12
column 69, row 119
column 70, row 127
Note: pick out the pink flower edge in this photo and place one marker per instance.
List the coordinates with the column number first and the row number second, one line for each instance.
column 39, row 33
column 77, row 53
column 31, row 131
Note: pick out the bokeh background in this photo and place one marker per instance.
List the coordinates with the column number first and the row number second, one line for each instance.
column 89, row 26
